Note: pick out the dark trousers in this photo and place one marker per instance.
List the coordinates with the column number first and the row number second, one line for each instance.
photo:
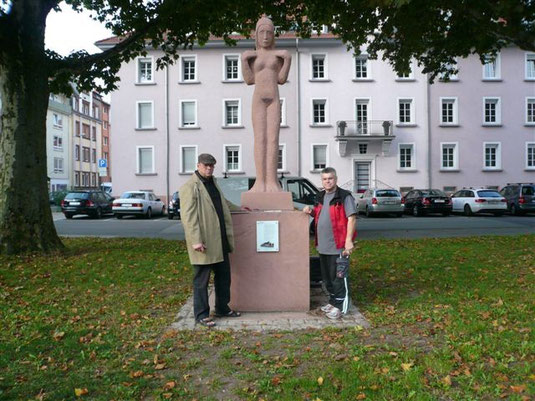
column 201, row 277
column 337, row 287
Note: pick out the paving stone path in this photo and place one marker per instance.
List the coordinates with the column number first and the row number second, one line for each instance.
column 275, row 321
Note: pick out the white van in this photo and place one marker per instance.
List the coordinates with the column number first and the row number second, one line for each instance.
column 303, row 191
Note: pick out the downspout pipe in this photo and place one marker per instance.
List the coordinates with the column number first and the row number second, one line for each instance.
column 298, row 88
column 167, row 132
column 429, row 136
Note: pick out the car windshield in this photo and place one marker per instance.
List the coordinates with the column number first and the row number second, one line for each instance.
column 528, row 191
column 77, row 195
column 488, row 194
column 433, row 192
column 133, row 195
column 387, row 193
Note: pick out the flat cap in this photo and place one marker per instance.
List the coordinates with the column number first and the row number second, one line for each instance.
column 206, row 158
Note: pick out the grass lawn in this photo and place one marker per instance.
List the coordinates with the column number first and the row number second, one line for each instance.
column 452, row 319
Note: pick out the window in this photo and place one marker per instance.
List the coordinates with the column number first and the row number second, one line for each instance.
column 530, row 66
column 57, row 120
column 319, row 111
column 58, row 142
column 361, row 115
column 77, row 128
column 189, row 68
column 232, row 112
column 188, row 113
column 85, row 154
column 77, row 178
column 85, row 179
column 283, row 112
column 232, row 158
column 362, row 70
column 407, row 76
column 363, row 148
column 145, row 159
column 96, row 113
column 93, row 179
column 491, row 111
column 281, row 163
column 145, row 115
column 106, row 156
column 189, row 159
column 405, row 111
column 93, row 155
column 86, row 131
column 491, row 68
column 77, row 152
column 319, row 66
column 452, row 76
column 530, row 110
column 105, row 140
column 448, row 111
column 406, row 156
column 232, row 68
column 105, row 124
column 530, row 155
column 94, row 134
column 85, row 107
column 144, row 70
column 449, row 156
column 492, row 156
column 58, row 165
column 319, row 157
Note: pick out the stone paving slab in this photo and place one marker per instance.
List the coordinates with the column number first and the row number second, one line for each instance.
column 275, row 321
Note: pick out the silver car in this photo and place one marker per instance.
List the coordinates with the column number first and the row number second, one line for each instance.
column 138, row 203
column 375, row 201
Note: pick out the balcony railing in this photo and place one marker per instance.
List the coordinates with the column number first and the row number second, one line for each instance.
column 351, row 128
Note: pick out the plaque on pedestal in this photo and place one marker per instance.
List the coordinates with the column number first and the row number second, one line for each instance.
column 267, row 236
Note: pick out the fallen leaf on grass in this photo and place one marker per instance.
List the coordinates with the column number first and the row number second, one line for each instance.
column 169, row 385
column 167, row 395
column 160, row 366
column 276, row 380
column 406, row 366
column 58, row 335
column 320, row 380
column 137, row 373
column 361, row 396
column 446, row 380
column 518, row 389
column 80, row 391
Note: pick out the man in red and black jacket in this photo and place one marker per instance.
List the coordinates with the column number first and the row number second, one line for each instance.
column 334, row 218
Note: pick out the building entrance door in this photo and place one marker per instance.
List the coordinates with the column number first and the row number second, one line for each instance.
column 362, row 176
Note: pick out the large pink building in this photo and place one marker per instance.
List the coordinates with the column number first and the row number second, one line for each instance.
column 351, row 113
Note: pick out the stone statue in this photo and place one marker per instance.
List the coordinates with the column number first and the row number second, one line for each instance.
column 266, row 68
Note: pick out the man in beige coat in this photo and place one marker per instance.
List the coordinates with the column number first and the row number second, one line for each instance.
column 209, row 237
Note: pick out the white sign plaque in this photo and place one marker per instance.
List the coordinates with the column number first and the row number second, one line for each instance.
column 267, row 236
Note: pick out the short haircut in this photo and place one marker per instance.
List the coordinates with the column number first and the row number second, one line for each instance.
column 329, row 170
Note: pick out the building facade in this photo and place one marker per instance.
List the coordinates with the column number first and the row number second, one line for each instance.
column 349, row 112
column 106, row 144
column 58, row 143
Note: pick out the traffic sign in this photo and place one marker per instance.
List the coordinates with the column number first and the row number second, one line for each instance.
column 102, row 163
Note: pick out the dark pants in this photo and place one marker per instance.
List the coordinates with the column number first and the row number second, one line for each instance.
column 337, row 287
column 201, row 277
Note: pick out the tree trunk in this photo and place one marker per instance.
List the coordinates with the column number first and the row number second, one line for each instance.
column 26, row 223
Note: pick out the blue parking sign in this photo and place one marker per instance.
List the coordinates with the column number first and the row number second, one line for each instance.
column 102, row 163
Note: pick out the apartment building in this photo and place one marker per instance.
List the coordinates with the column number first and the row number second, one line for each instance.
column 338, row 109
column 58, row 142
column 106, row 148
column 87, row 139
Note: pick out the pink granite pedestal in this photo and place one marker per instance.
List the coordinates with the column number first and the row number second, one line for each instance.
column 271, row 281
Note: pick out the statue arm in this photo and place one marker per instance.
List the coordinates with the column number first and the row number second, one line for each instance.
column 247, row 72
column 285, row 69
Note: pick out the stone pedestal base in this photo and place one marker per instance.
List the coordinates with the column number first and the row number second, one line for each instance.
column 267, row 200
column 271, row 281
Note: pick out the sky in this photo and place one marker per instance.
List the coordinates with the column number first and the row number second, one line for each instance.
column 67, row 31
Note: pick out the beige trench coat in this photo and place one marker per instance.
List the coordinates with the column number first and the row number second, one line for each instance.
column 200, row 222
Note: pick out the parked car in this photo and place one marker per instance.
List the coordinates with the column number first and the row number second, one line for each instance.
column 420, row 202
column 520, row 197
column 478, row 200
column 138, row 203
column 174, row 207
column 375, row 201
column 90, row 202
column 303, row 191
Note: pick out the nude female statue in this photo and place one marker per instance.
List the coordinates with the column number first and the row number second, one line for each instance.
column 266, row 68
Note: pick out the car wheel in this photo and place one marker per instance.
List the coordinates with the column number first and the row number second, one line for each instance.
column 98, row 213
column 148, row 215
column 118, row 216
column 467, row 210
column 368, row 213
column 68, row 216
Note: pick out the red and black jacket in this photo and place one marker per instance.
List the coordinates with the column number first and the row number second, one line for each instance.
column 337, row 214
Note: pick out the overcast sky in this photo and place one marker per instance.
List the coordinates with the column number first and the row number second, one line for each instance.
column 67, row 31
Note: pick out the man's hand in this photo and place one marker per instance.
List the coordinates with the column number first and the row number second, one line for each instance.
column 199, row 247
column 348, row 248
column 307, row 210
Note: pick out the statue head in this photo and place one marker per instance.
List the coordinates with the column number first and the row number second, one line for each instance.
column 265, row 33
